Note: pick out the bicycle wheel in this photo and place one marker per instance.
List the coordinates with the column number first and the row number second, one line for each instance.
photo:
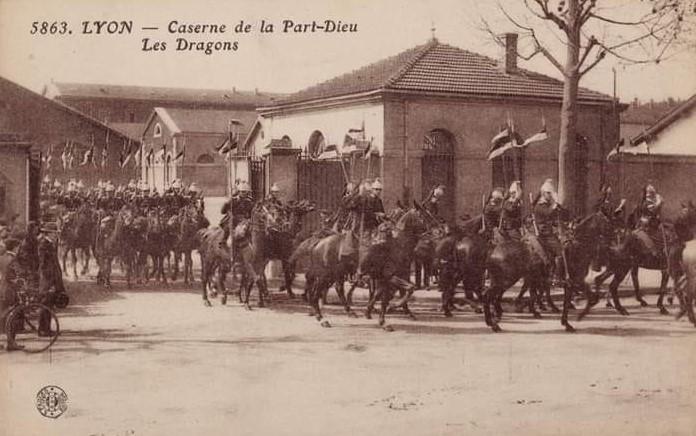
column 24, row 322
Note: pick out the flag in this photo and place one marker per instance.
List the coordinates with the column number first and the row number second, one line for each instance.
column 64, row 156
column 354, row 142
column 71, row 155
column 179, row 156
column 329, row 152
column 48, row 157
column 369, row 151
column 541, row 135
column 149, row 157
column 88, row 156
column 138, row 156
column 104, row 156
column 616, row 149
column 227, row 146
column 506, row 139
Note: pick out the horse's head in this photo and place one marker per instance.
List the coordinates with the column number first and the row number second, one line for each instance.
column 414, row 222
column 687, row 213
column 592, row 227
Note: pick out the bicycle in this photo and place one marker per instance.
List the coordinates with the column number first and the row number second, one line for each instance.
column 34, row 325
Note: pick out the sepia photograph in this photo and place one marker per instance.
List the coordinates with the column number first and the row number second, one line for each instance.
column 347, row 217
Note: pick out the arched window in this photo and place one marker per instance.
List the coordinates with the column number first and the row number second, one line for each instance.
column 287, row 142
column 157, row 131
column 205, row 158
column 316, row 144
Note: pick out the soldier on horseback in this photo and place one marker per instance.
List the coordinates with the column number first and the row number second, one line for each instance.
column 648, row 219
column 235, row 210
column 491, row 212
column 432, row 201
column 547, row 215
column 511, row 218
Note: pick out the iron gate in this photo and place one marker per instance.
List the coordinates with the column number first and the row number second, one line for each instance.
column 257, row 177
column 322, row 182
column 437, row 168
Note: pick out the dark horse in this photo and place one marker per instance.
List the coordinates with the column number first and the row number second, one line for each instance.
column 274, row 236
column 186, row 224
column 461, row 257
column 115, row 239
column 77, row 232
column 215, row 261
column 512, row 260
column 628, row 253
column 388, row 262
column 158, row 240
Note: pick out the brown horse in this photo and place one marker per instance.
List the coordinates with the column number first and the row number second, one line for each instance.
column 186, row 225
column 275, row 233
column 388, row 263
column 114, row 239
column 216, row 261
column 512, row 260
column 628, row 253
column 158, row 240
column 77, row 232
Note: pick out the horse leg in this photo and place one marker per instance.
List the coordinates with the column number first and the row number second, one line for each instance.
column 567, row 299
column 614, row 293
column 519, row 303
column 533, row 291
column 374, row 295
column 549, row 300
column 289, row 274
column 387, row 293
column 349, row 297
column 663, row 289
column 599, row 281
column 340, row 290
column 205, row 271
column 162, row 272
column 85, row 266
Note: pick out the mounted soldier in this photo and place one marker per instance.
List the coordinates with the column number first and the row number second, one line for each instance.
column 432, row 201
column 647, row 215
column 606, row 205
column 492, row 211
column 547, row 215
column 511, row 218
column 235, row 210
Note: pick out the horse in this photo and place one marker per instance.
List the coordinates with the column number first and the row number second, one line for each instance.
column 511, row 260
column 77, row 233
column 186, row 223
column 628, row 253
column 216, row 261
column 461, row 257
column 157, row 243
column 388, row 263
column 274, row 236
column 114, row 239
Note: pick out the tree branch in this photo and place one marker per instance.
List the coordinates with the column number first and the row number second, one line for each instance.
column 601, row 55
column 590, row 44
column 544, row 5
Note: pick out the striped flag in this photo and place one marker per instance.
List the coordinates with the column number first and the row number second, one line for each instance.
column 329, row 152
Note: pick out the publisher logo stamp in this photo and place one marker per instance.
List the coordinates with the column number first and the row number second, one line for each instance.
column 51, row 401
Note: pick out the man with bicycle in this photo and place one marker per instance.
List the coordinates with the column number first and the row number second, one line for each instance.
column 9, row 269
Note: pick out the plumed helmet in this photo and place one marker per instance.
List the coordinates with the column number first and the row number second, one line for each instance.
column 47, row 179
column 497, row 193
column 377, row 185
column 650, row 189
column 131, row 184
column 194, row 188
column 547, row 186
column 57, row 184
column 275, row 188
column 80, row 185
column 109, row 187
column 176, row 184
column 439, row 191
column 516, row 188
column 243, row 186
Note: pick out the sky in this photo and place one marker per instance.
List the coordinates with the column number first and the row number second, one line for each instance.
column 288, row 62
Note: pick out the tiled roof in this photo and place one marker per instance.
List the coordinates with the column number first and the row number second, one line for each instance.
column 208, row 121
column 180, row 95
column 435, row 67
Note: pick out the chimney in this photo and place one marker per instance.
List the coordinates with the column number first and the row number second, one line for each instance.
column 509, row 61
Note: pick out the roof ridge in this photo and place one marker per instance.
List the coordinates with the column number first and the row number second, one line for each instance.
column 411, row 62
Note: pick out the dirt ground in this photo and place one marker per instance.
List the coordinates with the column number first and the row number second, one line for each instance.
column 155, row 361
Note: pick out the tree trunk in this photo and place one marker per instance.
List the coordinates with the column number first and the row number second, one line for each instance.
column 567, row 183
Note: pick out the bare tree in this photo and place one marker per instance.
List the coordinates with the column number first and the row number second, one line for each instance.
column 639, row 31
